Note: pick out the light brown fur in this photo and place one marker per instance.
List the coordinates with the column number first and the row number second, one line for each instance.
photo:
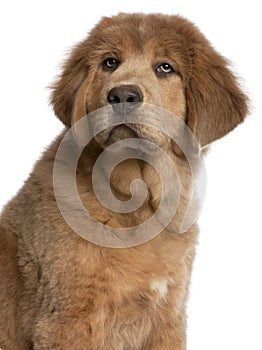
column 58, row 291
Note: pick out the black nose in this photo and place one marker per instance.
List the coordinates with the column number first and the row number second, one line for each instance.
column 125, row 98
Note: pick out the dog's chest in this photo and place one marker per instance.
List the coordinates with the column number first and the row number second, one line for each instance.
column 116, row 296
column 129, row 317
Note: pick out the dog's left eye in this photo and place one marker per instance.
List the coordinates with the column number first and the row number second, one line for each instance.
column 164, row 69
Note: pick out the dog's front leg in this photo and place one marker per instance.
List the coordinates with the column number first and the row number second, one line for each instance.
column 70, row 333
column 10, row 288
column 169, row 336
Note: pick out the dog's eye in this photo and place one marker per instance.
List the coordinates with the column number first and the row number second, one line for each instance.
column 164, row 69
column 110, row 63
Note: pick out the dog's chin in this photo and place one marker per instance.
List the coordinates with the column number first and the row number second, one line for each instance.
column 111, row 135
column 125, row 132
column 121, row 132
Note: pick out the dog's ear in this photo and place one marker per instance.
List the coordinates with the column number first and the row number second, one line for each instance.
column 67, row 86
column 215, row 103
column 69, row 90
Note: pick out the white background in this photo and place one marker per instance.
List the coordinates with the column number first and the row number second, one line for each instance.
column 225, row 308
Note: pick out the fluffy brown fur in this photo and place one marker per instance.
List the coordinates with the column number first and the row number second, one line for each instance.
column 59, row 291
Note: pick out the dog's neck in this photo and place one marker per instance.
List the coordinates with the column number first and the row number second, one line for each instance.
column 120, row 180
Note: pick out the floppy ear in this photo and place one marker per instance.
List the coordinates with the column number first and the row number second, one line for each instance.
column 66, row 88
column 215, row 103
column 69, row 91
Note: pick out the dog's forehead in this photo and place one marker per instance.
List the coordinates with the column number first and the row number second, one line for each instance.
column 137, row 35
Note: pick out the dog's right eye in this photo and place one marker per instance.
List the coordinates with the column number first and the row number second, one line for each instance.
column 110, row 64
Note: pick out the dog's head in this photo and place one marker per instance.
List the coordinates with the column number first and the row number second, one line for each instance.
column 154, row 59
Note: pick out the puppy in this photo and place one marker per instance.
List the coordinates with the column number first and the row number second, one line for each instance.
column 67, row 286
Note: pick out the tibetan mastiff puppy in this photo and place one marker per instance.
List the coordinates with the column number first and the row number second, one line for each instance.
column 61, row 291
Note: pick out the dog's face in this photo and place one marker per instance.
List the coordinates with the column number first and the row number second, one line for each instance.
column 153, row 59
column 133, row 74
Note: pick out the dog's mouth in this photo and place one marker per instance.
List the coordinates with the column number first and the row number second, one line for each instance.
column 140, row 141
column 121, row 132
column 140, row 127
column 116, row 133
